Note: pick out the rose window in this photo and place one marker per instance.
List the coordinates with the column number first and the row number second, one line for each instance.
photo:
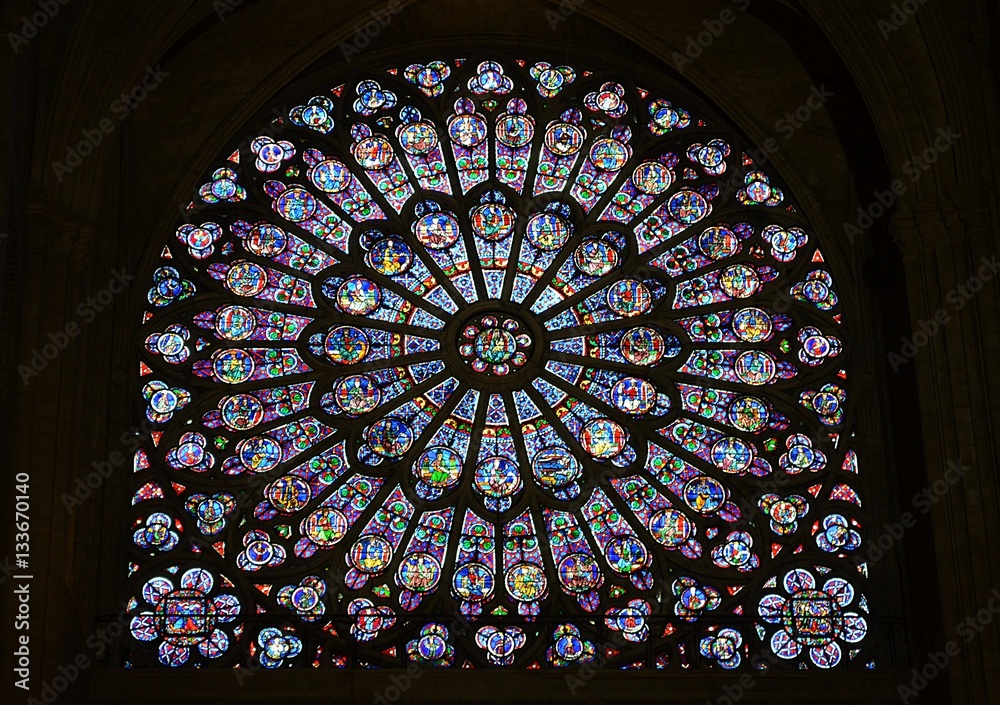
column 527, row 344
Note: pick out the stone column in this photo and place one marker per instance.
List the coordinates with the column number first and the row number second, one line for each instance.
column 950, row 261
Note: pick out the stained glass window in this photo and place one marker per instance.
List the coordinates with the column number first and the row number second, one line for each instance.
column 495, row 363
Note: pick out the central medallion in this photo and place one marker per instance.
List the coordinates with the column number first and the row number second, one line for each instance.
column 495, row 344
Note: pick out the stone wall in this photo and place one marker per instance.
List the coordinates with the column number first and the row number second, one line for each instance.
column 898, row 74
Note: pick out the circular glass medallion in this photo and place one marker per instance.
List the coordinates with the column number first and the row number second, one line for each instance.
column 704, row 494
column 289, row 494
column 816, row 346
column 473, row 582
column 579, row 572
column 748, row 414
column 739, row 281
column 419, row 572
column 374, row 153
column 603, row 438
column 296, row 205
column 356, row 394
column 643, row 346
column 390, row 257
column 331, row 176
column 418, row 138
column 564, row 139
column 732, row 455
column 371, row 554
column 752, row 325
column 629, row 298
column 467, row 130
column 259, row 453
column 498, row 477
column 595, row 258
column 515, row 131
column 389, row 437
column 688, row 207
column 670, row 527
column 609, row 154
column 634, row 396
column 325, row 526
column 246, row 279
column 526, row 582
column 548, row 232
column 358, row 296
column 492, row 222
column 439, row 467
column 267, row 240
column 626, row 555
column 494, row 344
column 241, row 412
column 437, row 231
column 555, row 467
column 233, row 366
column 652, row 178
column 755, row 367
column 346, row 345
column 235, row 322
column 718, row 242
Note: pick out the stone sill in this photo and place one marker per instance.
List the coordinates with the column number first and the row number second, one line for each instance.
column 383, row 686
